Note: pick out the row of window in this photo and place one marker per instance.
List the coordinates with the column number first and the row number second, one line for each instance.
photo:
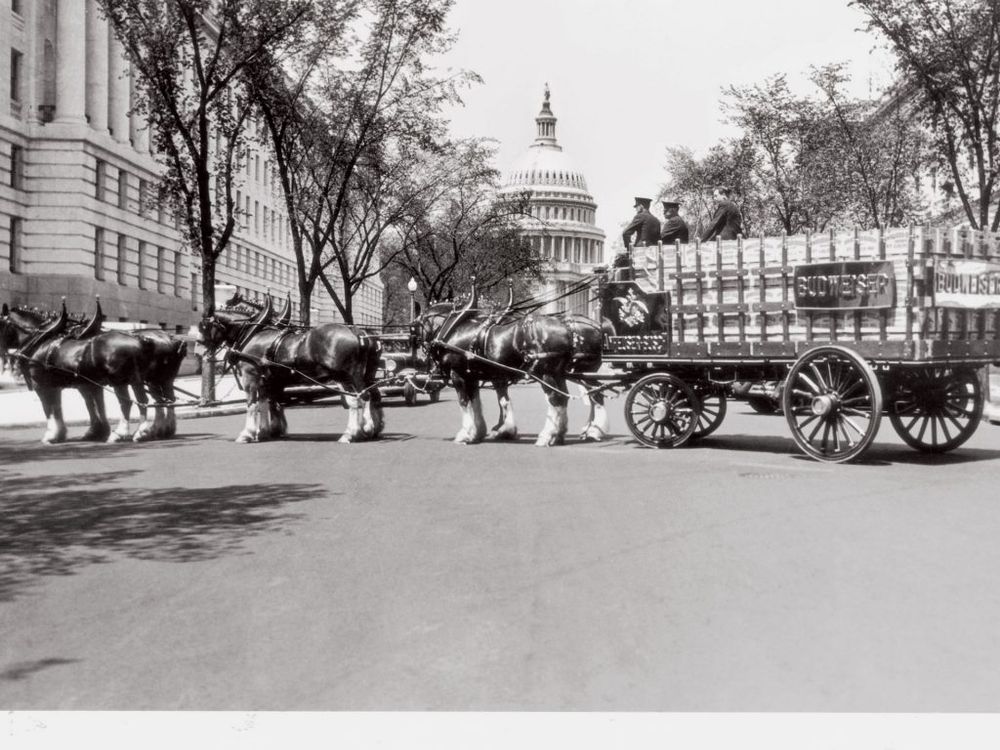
column 119, row 193
column 562, row 212
column 156, row 267
column 274, row 226
column 568, row 249
column 239, row 258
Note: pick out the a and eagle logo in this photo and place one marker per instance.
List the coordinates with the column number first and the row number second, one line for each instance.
column 632, row 311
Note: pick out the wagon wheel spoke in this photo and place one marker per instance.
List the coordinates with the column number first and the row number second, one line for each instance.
column 823, row 384
column 858, row 430
column 811, row 384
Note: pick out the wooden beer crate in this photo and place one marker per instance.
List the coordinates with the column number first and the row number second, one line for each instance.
column 737, row 299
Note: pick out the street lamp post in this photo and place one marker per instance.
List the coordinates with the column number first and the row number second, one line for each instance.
column 411, row 285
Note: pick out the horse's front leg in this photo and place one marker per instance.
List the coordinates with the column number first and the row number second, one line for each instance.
column 93, row 397
column 598, row 425
column 273, row 423
column 473, row 424
column 556, row 419
column 354, row 431
column 159, row 427
column 147, row 430
column 505, row 428
column 169, row 400
column 372, row 415
column 123, row 431
column 51, row 399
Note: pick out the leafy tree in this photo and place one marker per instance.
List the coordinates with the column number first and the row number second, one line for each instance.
column 948, row 52
column 882, row 150
column 690, row 181
column 296, row 128
column 795, row 165
column 362, row 152
column 470, row 228
column 190, row 56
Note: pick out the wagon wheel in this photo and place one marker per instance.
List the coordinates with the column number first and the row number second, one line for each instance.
column 936, row 409
column 713, row 409
column 833, row 403
column 661, row 411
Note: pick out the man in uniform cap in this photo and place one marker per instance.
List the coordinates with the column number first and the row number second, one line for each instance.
column 727, row 223
column 644, row 226
column 675, row 229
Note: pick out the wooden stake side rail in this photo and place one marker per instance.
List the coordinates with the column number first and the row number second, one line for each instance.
column 735, row 300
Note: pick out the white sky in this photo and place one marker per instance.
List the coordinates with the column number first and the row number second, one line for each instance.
column 622, row 92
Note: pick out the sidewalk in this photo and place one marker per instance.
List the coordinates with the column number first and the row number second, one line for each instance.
column 20, row 407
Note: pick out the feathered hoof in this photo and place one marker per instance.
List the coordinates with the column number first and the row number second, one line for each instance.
column 346, row 438
column 117, row 437
column 98, row 436
column 245, row 437
column 53, row 439
column 550, row 441
column 592, row 435
column 144, row 436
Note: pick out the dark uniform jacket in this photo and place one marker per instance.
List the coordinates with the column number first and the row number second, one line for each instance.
column 726, row 223
column 645, row 227
column 674, row 229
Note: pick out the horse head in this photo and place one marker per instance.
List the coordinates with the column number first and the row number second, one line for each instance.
column 220, row 329
column 430, row 322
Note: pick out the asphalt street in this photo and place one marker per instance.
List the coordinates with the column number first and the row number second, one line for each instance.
column 413, row 573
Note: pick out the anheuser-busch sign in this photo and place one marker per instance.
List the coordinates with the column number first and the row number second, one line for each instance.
column 845, row 285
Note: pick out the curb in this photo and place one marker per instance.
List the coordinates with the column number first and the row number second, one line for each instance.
column 220, row 410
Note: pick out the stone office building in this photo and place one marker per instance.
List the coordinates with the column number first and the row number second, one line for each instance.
column 78, row 216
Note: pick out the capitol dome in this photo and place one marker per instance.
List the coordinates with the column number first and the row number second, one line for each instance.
column 561, row 224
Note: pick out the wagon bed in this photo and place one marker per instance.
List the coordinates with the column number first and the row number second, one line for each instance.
column 842, row 326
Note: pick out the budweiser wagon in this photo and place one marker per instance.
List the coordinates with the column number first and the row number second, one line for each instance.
column 841, row 329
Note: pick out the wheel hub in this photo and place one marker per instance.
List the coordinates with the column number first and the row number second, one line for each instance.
column 825, row 404
column 659, row 411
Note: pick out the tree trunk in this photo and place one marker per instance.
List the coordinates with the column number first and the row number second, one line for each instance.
column 305, row 304
column 208, row 308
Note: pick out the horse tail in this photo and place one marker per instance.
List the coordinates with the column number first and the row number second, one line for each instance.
column 370, row 350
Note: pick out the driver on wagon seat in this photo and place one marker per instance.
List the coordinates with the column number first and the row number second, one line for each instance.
column 646, row 229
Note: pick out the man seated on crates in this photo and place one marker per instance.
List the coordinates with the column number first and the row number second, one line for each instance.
column 727, row 223
column 674, row 229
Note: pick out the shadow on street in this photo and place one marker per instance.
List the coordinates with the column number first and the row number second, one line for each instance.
column 50, row 527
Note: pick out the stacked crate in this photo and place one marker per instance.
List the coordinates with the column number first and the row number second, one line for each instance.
column 736, row 298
